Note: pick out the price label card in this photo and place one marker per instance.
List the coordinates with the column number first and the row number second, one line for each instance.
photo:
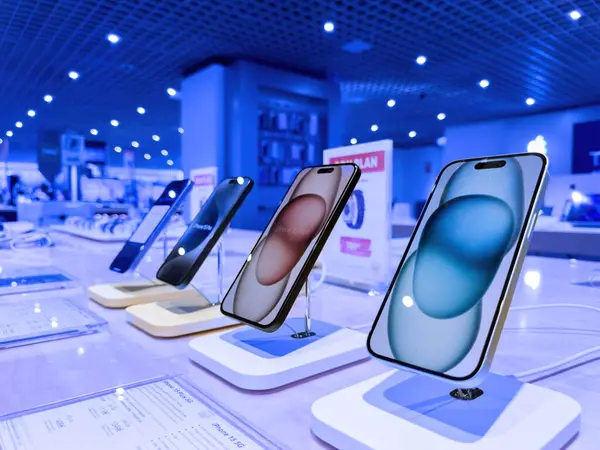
column 161, row 414
column 26, row 320
column 15, row 280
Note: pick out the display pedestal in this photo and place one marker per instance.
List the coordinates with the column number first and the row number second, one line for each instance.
column 254, row 360
column 401, row 410
column 178, row 317
column 137, row 292
column 182, row 312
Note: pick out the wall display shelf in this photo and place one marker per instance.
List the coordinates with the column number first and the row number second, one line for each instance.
column 292, row 132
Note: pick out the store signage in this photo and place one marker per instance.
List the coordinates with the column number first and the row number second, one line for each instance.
column 72, row 149
column 359, row 248
column 205, row 180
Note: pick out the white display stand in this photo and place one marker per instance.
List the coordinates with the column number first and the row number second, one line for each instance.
column 255, row 360
column 158, row 320
column 182, row 312
column 137, row 292
column 400, row 410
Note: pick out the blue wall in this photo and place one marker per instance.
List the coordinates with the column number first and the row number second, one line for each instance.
column 513, row 135
column 415, row 171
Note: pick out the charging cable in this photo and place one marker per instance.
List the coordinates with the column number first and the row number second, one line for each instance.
column 558, row 366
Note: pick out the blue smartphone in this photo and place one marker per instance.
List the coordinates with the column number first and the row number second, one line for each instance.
column 150, row 228
column 204, row 232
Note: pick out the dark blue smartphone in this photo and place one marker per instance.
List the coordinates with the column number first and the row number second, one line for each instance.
column 151, row 226
column 204, row 232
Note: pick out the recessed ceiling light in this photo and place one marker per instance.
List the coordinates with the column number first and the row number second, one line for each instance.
column 93, row 131
column 19, row 124
column 113, row 38
column 135, row 144
column 374, row 127
column 31, row 113
column 180, row 129
column 421, row 60
column 118, row 149
column 441, row 141
column 170, row 162
column 329, row 27
column 141, row 110
column 164, row 152
column 441, row 116
column 155, row 137
column 412, row 134
column 73, row 75
column 353, row 141
column 1, row 141
column 391, row 103
column 147, row 156
column 48, row 98
column 9, row 133
column 575, row 15
column 530, row 101
column 114, row 123
column 171, row 91
column 484, row 83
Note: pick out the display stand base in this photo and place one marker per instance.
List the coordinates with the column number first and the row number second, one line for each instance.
column 401, row 410
column 254, row 360
column 178, row 317
column 137, row 292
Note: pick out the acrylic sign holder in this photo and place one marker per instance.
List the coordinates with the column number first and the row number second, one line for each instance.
column 402, row 410
column 252, row 359
column 179, row 315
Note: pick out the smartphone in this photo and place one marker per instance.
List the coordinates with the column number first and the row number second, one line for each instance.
column 273, row 274
column 204, row 232
column 151, row 226
column 445, row 308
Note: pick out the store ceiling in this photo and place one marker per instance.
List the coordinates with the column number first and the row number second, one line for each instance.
column 525, row 48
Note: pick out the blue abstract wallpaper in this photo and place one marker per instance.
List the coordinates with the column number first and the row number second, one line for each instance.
column 442, row 303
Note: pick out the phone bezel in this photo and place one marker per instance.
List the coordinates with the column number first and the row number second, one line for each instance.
column 212, row 241
column 507, row 284
column 321, row 238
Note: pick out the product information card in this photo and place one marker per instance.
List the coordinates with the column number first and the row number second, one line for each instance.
column 27, row 319
column 158, row 415
column 358, row 252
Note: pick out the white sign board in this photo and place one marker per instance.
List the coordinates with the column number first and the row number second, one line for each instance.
column 205, row 181
column 359, row 250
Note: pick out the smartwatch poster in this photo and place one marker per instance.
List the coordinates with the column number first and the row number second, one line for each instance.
column 359, row 250
column 205, row 181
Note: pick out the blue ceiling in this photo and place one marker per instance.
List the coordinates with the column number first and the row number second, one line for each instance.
column 525, row 48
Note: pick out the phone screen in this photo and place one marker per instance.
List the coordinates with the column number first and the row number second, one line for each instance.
column 204, row 231
column 149, row 224
column 270, row 271
column 439, row 312
column 152, row 224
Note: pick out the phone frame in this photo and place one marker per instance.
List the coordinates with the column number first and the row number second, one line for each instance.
column 504, row 301
column 321, row 240
column 177, row 201
column 212, row 240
